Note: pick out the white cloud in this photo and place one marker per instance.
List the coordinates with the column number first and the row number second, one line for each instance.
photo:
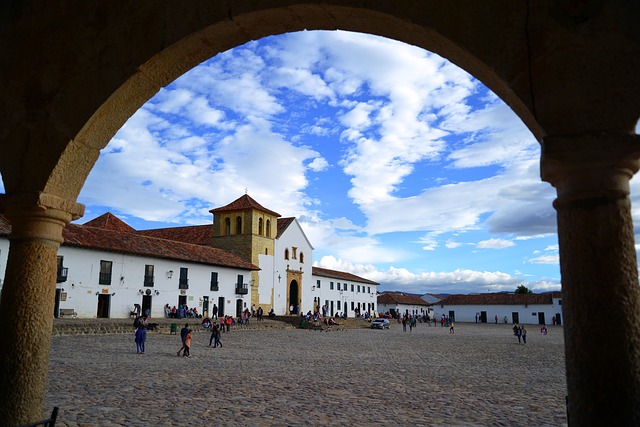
column 457, row 281
column 318, row 164
column 429, row 242
column 495, row 244
column 546, row 259
column 302, row 81
column 359, row 118
column 450, row 244
column 532, row 237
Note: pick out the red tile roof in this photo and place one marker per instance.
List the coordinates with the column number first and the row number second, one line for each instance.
column 5, row 227
column 501, row 299
column 399, row 298
column 195, row 234
column 136, row 244
column 107, row 233
column 109, row 221
column 283, row 224
column 243, row 203
column 317, row 271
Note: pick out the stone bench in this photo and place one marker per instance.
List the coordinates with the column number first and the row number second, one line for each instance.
column 68, row 312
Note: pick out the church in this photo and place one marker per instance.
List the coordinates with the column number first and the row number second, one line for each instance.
column 249, row 257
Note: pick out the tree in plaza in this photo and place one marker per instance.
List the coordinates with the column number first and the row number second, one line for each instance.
column 522, row 289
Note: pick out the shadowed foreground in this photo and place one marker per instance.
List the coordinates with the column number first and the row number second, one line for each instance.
column 477, row 376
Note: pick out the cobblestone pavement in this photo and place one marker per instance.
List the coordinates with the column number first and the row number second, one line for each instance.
column 479, row 376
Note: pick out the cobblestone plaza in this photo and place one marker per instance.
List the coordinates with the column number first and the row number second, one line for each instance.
column 479, row 376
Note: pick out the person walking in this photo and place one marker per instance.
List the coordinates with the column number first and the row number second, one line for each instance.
column 183, row 336
column 213, row 333
column 216, row 337
column 141, row 337
column 214, row 312
column 523, row 332
column 187, row 344
column 451, row 329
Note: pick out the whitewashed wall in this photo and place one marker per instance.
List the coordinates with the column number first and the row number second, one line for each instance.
column 526, row 314
column 4, row 255
column 339, row 296
column 412, row 309
column 82, row 288
column 293, row 236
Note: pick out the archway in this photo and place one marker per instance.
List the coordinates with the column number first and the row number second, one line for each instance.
column 545, row 60
column 293, row 300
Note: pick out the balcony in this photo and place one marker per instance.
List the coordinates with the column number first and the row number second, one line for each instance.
column 183, row 284
column 242, row 288
column 62, row 274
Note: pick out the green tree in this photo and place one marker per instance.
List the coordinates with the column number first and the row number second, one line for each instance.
column 522, row 289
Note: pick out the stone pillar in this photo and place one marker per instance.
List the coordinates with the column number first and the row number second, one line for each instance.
column 26, row 308
column 600, row 292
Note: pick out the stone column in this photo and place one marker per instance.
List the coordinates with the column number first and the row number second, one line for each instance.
column 600, row 292
column 26, row 308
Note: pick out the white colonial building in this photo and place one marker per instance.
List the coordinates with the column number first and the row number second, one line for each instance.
column 396, row 303
column 343, row 293
column 248, row 258
column 293, row 259
column 105, row 267
column 534, row 309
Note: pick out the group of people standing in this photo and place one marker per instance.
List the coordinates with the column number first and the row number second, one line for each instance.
column 181, row 312
column 410, row 320
column 521, row 333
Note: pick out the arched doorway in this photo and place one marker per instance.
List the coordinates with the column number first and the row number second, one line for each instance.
column 294, row 298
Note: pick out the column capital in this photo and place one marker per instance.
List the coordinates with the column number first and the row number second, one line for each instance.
column 39, row 215
column 590, row 166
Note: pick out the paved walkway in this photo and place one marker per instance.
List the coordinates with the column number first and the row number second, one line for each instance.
column 479, row 376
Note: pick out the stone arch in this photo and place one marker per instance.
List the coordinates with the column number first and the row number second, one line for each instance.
column 114, row 101
column 78, row 70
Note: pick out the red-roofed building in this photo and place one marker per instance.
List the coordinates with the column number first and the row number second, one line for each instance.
column 339, row 292
column 396, row 303
column 248, row 257
column 503, row 308
column 105, row 267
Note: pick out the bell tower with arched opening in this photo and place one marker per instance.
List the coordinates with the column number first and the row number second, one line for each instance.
column 247, row 229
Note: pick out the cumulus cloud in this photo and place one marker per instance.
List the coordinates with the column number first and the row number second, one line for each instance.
column 457, row 281
column 319, row 164
column 412, row 150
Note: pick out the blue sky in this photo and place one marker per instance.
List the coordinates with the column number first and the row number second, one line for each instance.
column 400, row 167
